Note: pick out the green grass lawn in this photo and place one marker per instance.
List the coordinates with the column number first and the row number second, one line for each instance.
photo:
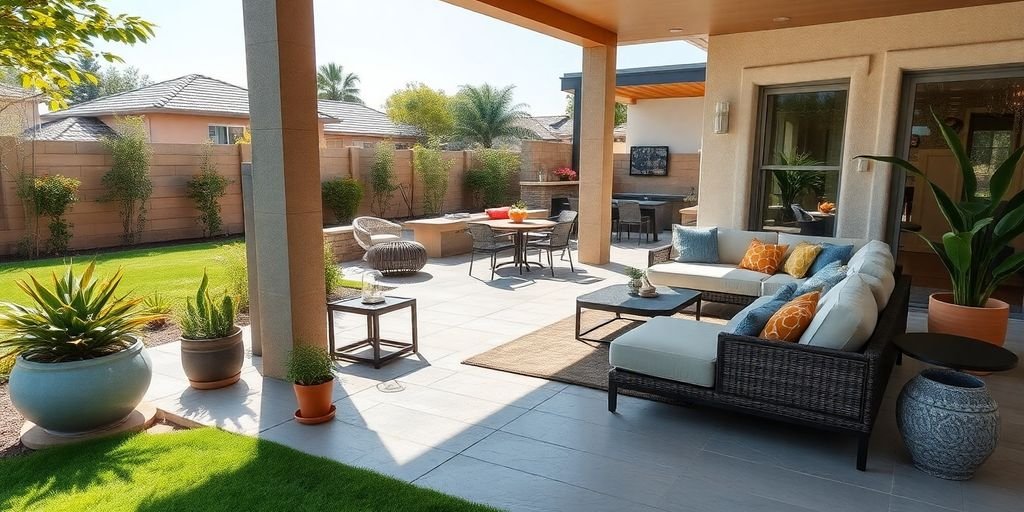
column 174, row 271
column 204, row 469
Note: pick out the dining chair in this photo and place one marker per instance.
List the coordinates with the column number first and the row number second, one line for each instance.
column 488, row 241
column 629, row 216
column 570, row 216
column 557, row 240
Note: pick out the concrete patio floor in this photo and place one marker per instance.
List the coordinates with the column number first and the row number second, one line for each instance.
column 521, row 443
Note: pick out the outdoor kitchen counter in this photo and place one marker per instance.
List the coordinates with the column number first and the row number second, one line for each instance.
column 445, row 237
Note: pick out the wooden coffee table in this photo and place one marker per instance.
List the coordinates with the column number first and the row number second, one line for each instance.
column 617, row 299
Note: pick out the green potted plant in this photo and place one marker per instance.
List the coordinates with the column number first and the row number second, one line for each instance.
column 636, row 279
column 211, row 344
column 974, row 251
column 310, row 370
column 517, row 213
column 71, row 340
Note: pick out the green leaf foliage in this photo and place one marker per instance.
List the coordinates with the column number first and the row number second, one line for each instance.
column 78, row 317
column 982, row 228
column 484, row 115
column 432, row 167
column 490, row 181
column 308, row 365
column 206, row 318
column 428, row 109
column 128, row 182
column 333, row 83
column 341, row 196
column 383, row 183
column 205, row 190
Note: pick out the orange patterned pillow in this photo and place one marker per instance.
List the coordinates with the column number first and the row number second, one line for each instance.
column 789, row 322
column 762, row 257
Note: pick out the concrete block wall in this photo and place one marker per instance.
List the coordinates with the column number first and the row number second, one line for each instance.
column 342, row 243
column 536, row 155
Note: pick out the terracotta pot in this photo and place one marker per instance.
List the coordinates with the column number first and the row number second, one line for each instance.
column 988, row 323
column 517, row 216
column 213, row 364
column 314, row 401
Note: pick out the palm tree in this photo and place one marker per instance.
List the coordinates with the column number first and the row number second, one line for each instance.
column 485, row 114
column 333, row 83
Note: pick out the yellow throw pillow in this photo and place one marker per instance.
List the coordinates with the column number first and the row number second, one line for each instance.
column 790, row 322
column 801, row 259
column 762, row 257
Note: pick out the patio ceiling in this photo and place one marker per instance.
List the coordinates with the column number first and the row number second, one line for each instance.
column 649, row 83
column 601, row 22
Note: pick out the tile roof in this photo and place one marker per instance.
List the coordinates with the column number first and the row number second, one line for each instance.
column 11, row 91
column 71, row 129
column 357, row 118
column 189, row 94
column 557, row 127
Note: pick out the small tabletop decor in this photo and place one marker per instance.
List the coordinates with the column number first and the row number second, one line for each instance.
column 636, row 279
column 948, row 420
column 373, row 289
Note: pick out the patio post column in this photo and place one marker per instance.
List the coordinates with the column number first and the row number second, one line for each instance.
column 281, row 65
column 596, row 123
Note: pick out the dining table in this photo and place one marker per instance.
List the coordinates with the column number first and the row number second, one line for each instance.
column 648, row 208
column 519, row 231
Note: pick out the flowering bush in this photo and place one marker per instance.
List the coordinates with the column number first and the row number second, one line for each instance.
column 566, row 174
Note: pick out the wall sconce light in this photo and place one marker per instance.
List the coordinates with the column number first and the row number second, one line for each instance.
column 721, row 121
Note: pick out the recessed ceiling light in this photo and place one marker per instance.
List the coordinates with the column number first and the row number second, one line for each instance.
column 781, row 19
column 675, row 30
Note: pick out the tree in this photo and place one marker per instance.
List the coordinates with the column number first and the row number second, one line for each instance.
column 485, row 114
column 333, row 83
column 114, row 80
column 621, row 110
column 127, row 182
column 428, row 109
column 43, row 40
column 433, row 168
column 86, row 90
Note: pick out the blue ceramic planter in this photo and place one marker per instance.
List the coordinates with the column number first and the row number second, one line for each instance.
column 949, row 423
column 81, row 396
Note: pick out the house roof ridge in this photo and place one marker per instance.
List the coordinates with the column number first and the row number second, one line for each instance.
column 186, row 81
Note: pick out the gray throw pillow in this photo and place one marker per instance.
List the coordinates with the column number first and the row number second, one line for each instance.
column 757, row 318
column 829, row 276
column 695, row 245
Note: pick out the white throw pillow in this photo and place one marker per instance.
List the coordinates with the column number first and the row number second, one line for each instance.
column 874, row 248
column 845, row 318
column 878, row 278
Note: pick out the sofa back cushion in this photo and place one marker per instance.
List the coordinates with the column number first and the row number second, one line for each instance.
column 733, row 243
column 845, row 319
column 695, row 245
column 877, row 276
column 792, row 319
column 762, row 257
column 875, row 249
column 792, row 240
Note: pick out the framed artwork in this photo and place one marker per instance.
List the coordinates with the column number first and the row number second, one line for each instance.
column 648, row 161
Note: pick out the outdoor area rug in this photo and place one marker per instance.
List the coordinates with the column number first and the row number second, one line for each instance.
column 553, row 352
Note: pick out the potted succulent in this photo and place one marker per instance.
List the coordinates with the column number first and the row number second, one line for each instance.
column 211, row 344
column 80, row 366
column 517, row 212
column 565, row 174
column 311, row 374
column 636, row 279
column 977, row 250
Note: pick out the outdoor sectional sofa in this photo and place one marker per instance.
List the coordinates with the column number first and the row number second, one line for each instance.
column 821, row 387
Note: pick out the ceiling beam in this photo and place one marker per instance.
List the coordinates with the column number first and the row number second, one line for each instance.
column 542, row 18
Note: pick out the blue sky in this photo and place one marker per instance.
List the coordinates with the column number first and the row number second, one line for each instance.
column 387, row 42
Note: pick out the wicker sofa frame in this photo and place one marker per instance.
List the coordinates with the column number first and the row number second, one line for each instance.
column 812, row 386
column 663, row 254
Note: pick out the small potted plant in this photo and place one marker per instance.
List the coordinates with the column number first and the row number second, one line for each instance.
column 636, row 279
column 311, row 374
column 211, row 343
column 80, row 366
column 517, row 212
column 565, row 174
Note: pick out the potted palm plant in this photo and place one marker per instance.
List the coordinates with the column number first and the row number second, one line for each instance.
column 976, row 251
column 310, row 371
column 72, row 341
column 211, row 344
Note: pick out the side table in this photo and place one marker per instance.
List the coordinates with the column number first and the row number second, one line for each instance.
column 948, row 420
column 372, row 312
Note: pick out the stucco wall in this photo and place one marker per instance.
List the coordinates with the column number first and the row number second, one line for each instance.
column 186, row 128
column 682, row 179
column 872, row 55
column 17, row 115
column 673, row 122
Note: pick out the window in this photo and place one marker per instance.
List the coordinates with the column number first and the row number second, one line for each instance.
column 799, row 158
column 990, row 140
column 221, row 134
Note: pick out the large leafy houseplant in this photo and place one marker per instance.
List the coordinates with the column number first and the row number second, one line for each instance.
column 78, row 318
column 981, row 227
column 792, row 182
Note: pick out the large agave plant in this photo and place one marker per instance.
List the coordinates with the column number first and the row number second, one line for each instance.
column 980, row 227
column 78, row 318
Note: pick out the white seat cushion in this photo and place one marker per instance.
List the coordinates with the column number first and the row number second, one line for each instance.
column 772, row 284
column 735, row 320
column 382, row 238
column 846, row 317
column 792, row 240
column 733, row 243
column 874, row 249
column 670, row 348
column 721, row 277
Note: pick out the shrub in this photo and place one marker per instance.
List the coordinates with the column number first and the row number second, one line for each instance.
column 433, row 169
column 75, row 319
column 309, row 365
column 382, row 178
column 128, row 183
column 490, row 182
column 206, row 319
column 333, row 276
column 159, row 306
column 205, row 190
column 341, row 196
column 53, row 196
column 236, row 265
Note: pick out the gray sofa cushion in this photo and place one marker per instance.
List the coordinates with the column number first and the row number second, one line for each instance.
column 671, row 348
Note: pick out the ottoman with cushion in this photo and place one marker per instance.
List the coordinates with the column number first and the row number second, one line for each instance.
column 396, row 258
